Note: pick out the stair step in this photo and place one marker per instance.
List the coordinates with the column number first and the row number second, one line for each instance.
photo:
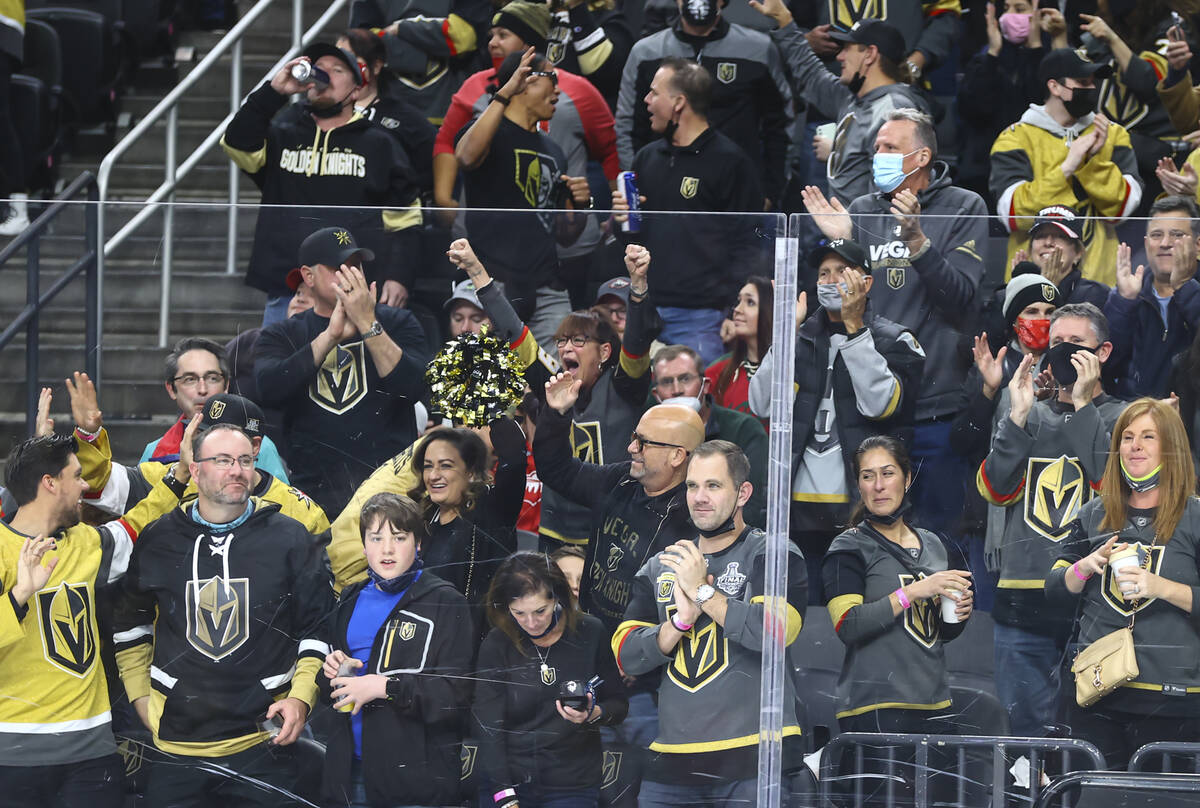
column 128, row 436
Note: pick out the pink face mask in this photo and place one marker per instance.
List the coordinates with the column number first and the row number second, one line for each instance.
column 1015, row 27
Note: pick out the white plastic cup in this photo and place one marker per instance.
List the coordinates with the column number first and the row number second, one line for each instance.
column 1127, row 557
column 949, row 604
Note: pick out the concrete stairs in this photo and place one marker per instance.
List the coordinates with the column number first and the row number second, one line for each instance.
column 204, row 300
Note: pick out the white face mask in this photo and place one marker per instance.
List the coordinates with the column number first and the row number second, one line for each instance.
column 685, row 401
column 829, row 297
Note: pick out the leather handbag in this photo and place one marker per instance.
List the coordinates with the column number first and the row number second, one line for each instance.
column 1104, row 666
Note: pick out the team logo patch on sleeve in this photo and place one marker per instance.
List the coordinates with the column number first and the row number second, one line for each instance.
column 68, row 627
column 218, row 615
column 1057, row 489
column 666, row 587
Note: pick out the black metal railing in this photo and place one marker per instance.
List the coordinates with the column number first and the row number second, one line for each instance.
column 976, row 768
column 1171, row 757
column 1123, row 788
column 30, row 317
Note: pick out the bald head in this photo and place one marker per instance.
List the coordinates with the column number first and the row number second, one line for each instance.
column 681, row 425
column 666, row 435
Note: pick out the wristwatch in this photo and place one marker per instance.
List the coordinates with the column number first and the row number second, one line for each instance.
column 704, row 594
column 374, row 331
column 914, row 71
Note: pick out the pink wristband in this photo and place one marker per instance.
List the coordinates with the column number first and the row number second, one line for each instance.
column 1075, row 569
column 681, row 626
column 905, row 603
column 504, row 794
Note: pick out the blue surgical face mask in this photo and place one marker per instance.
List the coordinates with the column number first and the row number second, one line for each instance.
column 888, row 170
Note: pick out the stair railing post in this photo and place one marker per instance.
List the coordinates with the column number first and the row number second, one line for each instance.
column 168, row 249
column 91, row 315
column 32, row 293
column 235, row 102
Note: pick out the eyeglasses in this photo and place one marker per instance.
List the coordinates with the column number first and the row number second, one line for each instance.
column 227, row 461
column 579, row 340
column 211, row 379
column 615, row 312
column 640, row 443
column 682, row 380
column 550, row 74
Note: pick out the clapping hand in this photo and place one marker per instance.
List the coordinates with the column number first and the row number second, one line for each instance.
column 830, row 217
column 562, row 391
column 1129, row 284
column 43, row 424
column 991, row 368
column 85, row 408
column 1020, row 391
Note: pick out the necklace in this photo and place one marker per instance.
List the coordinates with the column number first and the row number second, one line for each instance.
column 542, row 658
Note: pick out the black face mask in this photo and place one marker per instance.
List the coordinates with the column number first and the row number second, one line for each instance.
column 700, row 13
column 893, row 517
column 331, row 111
column 1083, row 100
column 669, row 131
column 1058, row 359
column 724, row 527
column 856, row 82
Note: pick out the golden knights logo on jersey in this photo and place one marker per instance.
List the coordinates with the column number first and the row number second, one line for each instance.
column 611, row 770
column 700, row 657
column 1149, row 558
column 68, row 627
column 1119, row 104
column 1056, row 489
column 535, row 174
column 341, row 380
column 467, row 755
column 218, row 615
column 843, row 14
column 921, row 621
column 586, row 442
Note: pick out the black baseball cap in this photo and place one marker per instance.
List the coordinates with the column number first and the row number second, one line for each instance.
column 331, row 247
column 1065, row 63
column 882, row 35
column 1059, row 217
column 614, row 287
column 318, row 49
column 227, row 408
column 852, row 251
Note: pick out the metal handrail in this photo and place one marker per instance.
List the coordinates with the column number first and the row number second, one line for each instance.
column 30, row 239
column 173, row 174
column 1166, row 752
column 1131, row 786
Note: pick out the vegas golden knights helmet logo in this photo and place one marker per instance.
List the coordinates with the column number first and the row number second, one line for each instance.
column 921, row 620
column 218, row 615
column 726, row 72
column 586, row 442
column 1150, row 558
column 611, row 770
column 549, row 675
column 68, row 627
column 666, row 587
column 467, row 756
column 341, row 381
column 895, row 277
column 216, row 409
column 1056, row 490
column 689, row 186
column 700, row 657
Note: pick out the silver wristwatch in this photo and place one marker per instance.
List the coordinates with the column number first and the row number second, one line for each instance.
column 704, row 594
column 374, row 331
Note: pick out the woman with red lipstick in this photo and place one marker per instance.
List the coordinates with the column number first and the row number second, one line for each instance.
column 615, row 378
column 729, row 377
column 471, row 523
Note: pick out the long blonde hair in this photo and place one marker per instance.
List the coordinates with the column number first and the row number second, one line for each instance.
column 1177, row 480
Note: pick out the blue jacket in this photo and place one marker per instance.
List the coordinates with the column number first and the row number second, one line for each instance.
column 1143, row 344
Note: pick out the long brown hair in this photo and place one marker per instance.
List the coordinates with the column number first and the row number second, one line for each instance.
column 1177, row 480
column 766, row 317
column 524, row 574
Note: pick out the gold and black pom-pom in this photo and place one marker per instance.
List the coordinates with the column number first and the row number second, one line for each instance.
column 475, row 379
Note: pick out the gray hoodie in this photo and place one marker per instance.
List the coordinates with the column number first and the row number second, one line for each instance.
column 935, row 295
column 859, row 118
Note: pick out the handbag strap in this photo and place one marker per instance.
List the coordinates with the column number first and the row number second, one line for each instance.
column 896, row 552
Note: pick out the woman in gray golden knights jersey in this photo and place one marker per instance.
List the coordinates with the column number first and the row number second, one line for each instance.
column 1146, row 505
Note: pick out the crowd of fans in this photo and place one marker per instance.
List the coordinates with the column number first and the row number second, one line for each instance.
column 505, row 613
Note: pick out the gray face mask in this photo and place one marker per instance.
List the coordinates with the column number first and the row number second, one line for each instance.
column 690, row 402
column 829, row 297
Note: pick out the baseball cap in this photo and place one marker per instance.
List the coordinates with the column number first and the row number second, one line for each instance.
column 1025, row 289
column 1057, row 216
column 294, row 278
column 852, row 251
column 331, row 247
column 318, row 49
column 465, row 291
column 617, row 287
column 1065, row 63
column 226, row 408
column 882, row 35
